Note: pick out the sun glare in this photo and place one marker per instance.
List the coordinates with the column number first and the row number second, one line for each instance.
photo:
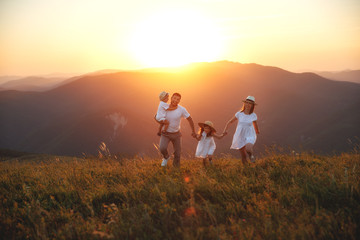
column 175, row 38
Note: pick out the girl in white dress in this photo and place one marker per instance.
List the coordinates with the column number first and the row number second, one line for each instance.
column 206, row 145
column 246, row 129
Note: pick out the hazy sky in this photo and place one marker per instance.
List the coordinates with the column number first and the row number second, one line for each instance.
column 79, row 36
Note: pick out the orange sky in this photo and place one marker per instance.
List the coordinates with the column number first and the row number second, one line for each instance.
column 79, row 36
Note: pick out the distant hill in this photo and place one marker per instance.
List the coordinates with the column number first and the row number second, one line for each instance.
column 31, row 84
column 4, row 79
column 44, row 83
column 295, row 111
column 349, row 75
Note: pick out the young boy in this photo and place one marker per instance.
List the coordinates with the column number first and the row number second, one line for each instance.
column 161, row 112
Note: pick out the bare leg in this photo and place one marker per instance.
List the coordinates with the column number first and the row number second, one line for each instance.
column 243, row 155
column 250, row 151
column 210, row 160
column 204, row 162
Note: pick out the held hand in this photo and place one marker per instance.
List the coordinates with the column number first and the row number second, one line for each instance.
column 193, row 134
column 224, row 133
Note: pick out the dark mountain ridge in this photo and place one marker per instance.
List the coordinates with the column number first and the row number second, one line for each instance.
column 298, row 111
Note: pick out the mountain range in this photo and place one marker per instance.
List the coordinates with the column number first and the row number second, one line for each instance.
column 31, row 84
column 296, row 111
column 43, row 83
column 348, row 75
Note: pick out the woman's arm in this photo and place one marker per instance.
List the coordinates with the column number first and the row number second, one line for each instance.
column 233, row 119
column 256, row 127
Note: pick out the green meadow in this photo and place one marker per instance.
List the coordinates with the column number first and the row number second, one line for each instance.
column 281, row 196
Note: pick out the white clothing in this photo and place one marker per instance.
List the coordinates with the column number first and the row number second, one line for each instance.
column 161, row 112
column 206, row 146
column 174, row 118
column 245, row 131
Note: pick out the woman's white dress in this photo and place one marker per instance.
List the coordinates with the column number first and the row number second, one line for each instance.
column 206, row 146
column 245, row 131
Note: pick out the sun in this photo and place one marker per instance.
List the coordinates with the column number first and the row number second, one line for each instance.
column 175, row 38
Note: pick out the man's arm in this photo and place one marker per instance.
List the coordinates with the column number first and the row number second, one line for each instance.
column 161, row 121
column 156, row 119
column 191, row 122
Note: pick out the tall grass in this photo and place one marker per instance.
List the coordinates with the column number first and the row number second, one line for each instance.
column 278, row 197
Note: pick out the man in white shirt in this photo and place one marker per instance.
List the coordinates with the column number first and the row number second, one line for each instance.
column 173, row 133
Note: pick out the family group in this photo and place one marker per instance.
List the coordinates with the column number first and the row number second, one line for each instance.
column 169, row 117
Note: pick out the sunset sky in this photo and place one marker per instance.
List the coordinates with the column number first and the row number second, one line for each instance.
column 79, row 36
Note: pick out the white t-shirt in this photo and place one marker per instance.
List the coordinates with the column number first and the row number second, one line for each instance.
column 161, row 112
column 174, row 118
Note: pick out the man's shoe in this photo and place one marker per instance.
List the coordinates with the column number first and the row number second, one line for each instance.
column 252, row 158
column 164, row 161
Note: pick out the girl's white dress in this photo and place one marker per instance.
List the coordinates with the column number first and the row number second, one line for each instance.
column 206, row 146
column 245, row 131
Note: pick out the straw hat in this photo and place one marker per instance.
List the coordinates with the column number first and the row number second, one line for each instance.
column 250, row 99
column 162, row 95
column 207, row 123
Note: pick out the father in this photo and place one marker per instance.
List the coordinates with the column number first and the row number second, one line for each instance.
column 173, row 132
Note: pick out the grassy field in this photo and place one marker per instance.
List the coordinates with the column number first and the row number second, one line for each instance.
column 279, row 197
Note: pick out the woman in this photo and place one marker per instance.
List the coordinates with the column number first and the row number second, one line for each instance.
column 246, row 130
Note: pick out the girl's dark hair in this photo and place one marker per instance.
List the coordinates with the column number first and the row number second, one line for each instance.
column 251, row 109
column 201, row 130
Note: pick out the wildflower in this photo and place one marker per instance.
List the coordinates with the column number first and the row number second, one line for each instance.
column 190, row 211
